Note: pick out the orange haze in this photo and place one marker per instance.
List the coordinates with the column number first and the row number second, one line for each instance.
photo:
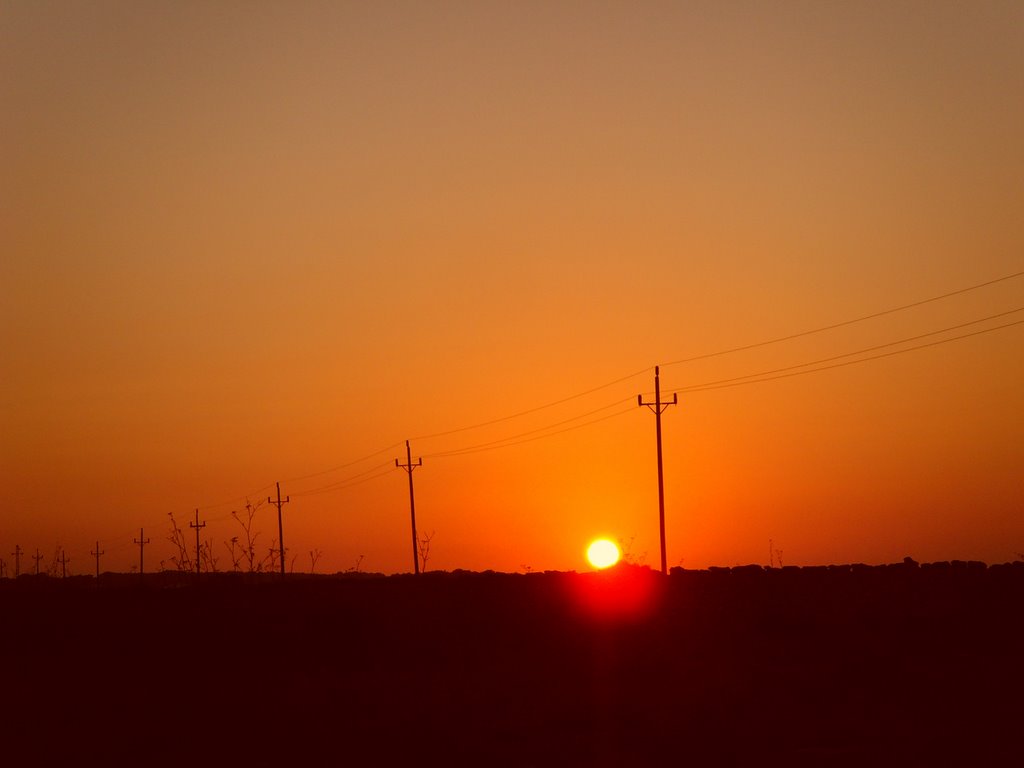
column 250, row 243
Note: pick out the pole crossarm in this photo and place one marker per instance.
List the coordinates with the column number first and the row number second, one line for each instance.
column 658, row 408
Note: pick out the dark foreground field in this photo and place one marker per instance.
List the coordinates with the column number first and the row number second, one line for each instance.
column 897, row 665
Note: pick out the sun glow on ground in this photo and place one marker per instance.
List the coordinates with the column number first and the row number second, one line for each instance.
column 603, row 553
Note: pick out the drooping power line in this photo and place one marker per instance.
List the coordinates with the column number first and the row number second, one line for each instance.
column 844, row 323
column 347, row 481
column 495, row 443
column 537, row 437
column 528, row 411
column 542, row 432
column 706, row 387
column 740, row 379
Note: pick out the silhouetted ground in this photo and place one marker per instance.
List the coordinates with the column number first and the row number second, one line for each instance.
column 813, row 666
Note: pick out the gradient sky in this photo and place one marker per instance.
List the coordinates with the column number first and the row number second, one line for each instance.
column 250, row 242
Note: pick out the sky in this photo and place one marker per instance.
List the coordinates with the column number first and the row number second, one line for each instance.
column 249, row 243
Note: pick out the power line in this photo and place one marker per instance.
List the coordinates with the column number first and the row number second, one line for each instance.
column 302, row 477
column 707, row 384
column 343, row 466
column 236, row 499
column 537, row 437
column 710, row 386
column 749, row 379
column 720, row 353
column 338, row 485
column 345, row 485
column 483, row 446
column 490, row 446
column 509, row 441
column 533, row 410
column 845, row 322
column 345, row 482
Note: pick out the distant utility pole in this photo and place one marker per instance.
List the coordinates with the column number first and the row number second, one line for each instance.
column 16, row 554
column 197, row 525
column 658, row 407
column 142, row 541
column 37, row 557
column 63, row 563
column 3, row 567
column 96, row 553
column 280, row 525
column 409, row 467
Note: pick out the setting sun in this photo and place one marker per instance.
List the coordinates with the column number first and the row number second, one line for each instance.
column 603, row 553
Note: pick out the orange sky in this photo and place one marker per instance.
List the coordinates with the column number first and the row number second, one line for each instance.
column 249, row 242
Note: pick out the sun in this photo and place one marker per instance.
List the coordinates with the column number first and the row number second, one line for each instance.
column 603, row 553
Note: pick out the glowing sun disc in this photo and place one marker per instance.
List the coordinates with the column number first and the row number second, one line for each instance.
column 603, row 553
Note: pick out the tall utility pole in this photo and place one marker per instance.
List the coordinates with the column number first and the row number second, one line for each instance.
column 197, row 525
column 16, row 554
column 37, row 557
column 63, row 563
column 142, row 541
column 280, row 525
column 96, row 553
column 658, row 407
column 409, row 467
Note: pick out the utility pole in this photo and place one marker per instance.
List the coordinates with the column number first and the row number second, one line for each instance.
column 280, row 525
column 658, row 407
column 409, row 467
column 3, row 567
column 96, row 553
column 37, row 557
column 197, row 525
column 142, row 541
column 63, row 563
column 16, row 554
